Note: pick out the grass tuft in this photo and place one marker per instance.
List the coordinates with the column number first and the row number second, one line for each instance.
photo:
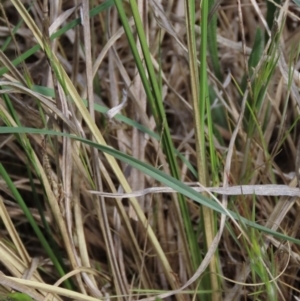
column 101, row 102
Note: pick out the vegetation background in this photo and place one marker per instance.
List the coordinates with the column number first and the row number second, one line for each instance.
column 149, row 150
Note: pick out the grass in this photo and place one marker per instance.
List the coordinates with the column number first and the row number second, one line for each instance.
column 211, row 100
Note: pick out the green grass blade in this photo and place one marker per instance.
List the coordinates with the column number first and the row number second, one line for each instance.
column 204, row 106
column 155, row 99
column 212, row 43
column 100, row 8
column 271, row 11
column 155, row 174
column 32, row 222
column 296, row 1
column 255, row 56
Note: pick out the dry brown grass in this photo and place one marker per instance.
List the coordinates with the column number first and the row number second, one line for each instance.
column 104, row 245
